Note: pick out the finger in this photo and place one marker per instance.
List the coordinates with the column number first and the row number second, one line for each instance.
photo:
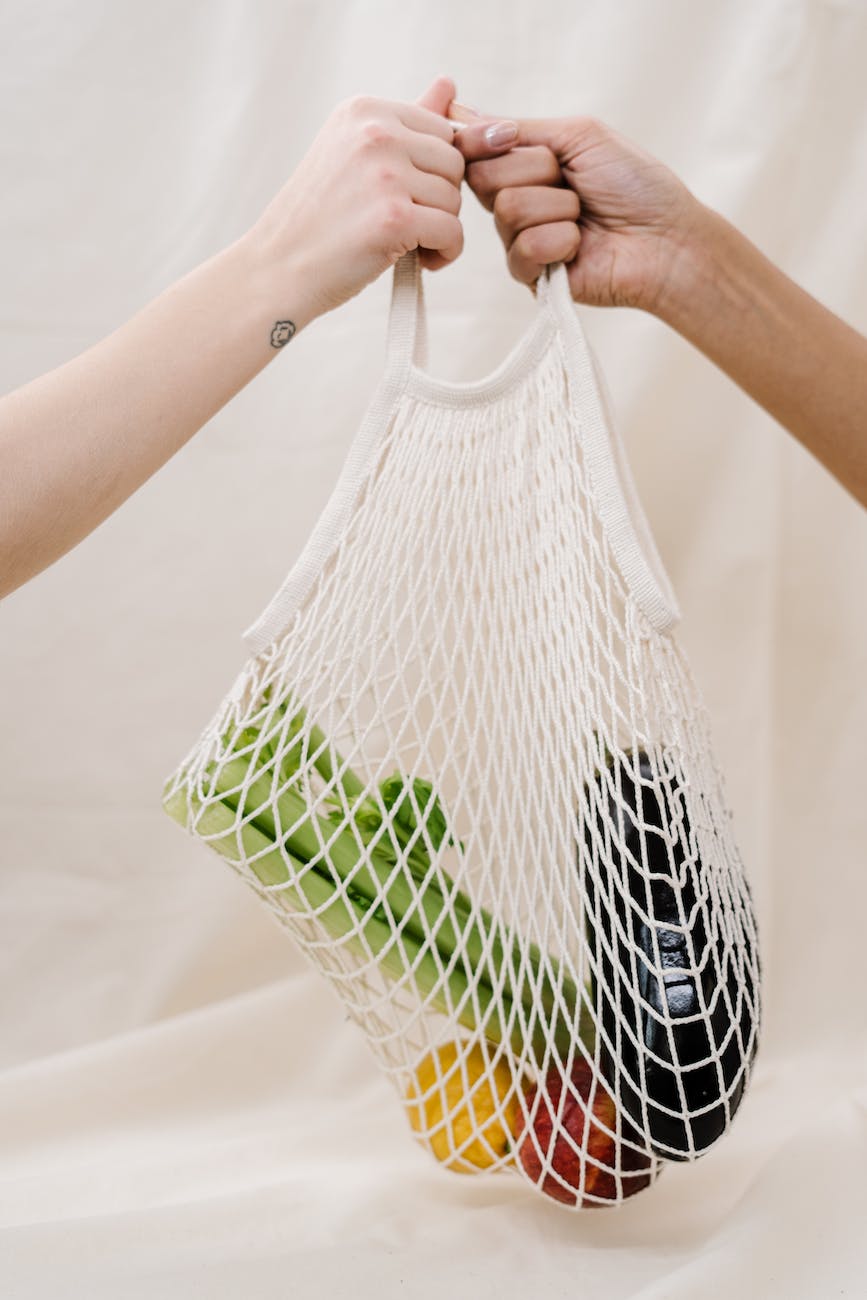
column 428, row 113
column 479, row 136
column 439, row 231
column 517, row 207
column 429, row 154
column 464, row 113
column 486, row 139
column 431, row 261
column 439, row 94
column 559, row 134
column 520, row 166
column 434, row 192
column 551, row 131
column 533, row 249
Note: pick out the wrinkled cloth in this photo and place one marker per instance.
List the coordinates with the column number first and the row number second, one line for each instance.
column 184, row 1109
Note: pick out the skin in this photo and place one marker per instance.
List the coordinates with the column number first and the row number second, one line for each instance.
column 632, row 235
column 76, row 442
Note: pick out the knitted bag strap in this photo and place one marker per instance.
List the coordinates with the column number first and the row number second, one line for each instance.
column 406, row 353
column 615, row 493
column 406, row 344
column 616, row 497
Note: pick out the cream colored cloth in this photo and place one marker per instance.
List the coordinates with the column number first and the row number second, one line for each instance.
column 184, row 1110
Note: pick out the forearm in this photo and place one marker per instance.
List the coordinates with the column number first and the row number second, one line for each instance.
column 798, row 360
column 76, row 442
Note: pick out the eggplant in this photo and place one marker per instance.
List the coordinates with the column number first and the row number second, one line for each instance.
column 631, row 803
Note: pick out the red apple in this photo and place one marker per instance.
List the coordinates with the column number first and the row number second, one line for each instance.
column 552, row 1150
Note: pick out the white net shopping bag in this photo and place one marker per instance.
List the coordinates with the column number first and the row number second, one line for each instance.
column 466, row 766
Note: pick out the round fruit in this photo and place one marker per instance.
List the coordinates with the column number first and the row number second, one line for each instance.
column 547, row 1147
column 461, row 1107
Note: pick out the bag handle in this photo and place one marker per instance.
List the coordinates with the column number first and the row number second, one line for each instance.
column 616, row 495
column 406, row 340
column 407, row 335
column 616, row 498
column 406, row 343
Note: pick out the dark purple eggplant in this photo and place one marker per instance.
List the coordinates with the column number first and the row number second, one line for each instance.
column 635, row 801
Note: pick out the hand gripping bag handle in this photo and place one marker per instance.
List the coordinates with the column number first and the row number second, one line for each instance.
column 615, row 496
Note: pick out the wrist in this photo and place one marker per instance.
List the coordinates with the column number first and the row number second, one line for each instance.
column 700, row 268
column 280, row 278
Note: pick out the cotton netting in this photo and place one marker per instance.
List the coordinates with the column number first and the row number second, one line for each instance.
column 467, row 767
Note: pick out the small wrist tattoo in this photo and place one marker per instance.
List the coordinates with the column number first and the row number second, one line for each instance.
column 282, row 333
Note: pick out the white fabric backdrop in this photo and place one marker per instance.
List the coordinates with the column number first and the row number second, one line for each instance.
column 184, row 1109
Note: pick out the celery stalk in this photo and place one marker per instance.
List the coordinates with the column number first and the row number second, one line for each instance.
column 330, row 862
column 478, row 936
column 472, row 949
column 347, row 917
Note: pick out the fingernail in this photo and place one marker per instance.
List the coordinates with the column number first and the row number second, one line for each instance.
column 501, row 133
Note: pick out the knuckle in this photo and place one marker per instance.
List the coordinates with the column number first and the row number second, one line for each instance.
column 479, row 182
column 528, row 244
column 361, row 106
column 518, row 268
column 394, row 214
column 542, row 167
column 551, row 165
column 538, row 153
column 572, row 246
column 507, row 205
column 562, row 249
column 373, row 134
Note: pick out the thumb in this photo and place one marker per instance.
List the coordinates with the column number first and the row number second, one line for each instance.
column 564, row 136
column 557, row 133
column 480, row 137
column 438, row 95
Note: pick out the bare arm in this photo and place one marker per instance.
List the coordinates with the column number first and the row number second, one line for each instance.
column 633, row 235
column 76, row 442
column 379, row 179
column 798, row 360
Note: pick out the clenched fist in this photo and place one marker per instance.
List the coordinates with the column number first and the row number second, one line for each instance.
column 379, row 179
column 574, row 191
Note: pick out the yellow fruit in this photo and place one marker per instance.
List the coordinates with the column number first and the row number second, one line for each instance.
column 455, row 1096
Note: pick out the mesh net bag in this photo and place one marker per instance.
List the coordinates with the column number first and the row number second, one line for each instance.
column 466, row 766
